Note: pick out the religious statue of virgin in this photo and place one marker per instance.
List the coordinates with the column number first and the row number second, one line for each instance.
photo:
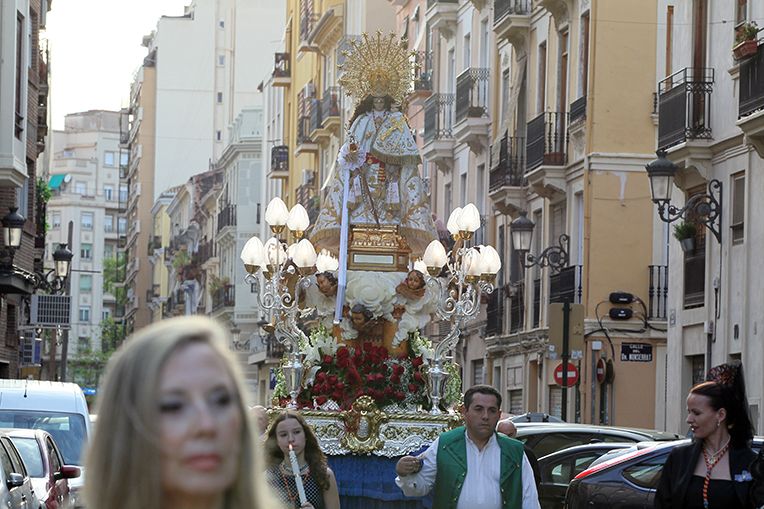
column 377, row 175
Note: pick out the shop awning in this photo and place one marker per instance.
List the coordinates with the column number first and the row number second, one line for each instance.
column 56, row 181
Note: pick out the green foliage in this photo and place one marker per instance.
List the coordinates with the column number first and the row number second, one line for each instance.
column 43, row 190
column 181, row 259
column 746, row 32
column 218, row 283
column 87, row 366
column 685, row 230
column 113, row 276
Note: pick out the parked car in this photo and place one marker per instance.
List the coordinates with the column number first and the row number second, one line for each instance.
column 56, row 407
column 546, row 438
column 16, row 490
column 627, row 480
column 557, row 469
column 45, row 467
column 535, row 417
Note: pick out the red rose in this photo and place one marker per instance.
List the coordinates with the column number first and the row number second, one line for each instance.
column 418, row 377
column 321, row 400
column 399, row 395
column 339, row 386
column 337, row 395
column 321, row 376
column 395, row 379
column 332, row 379
column 327, row 359
column 417, row 361
column 412, row 387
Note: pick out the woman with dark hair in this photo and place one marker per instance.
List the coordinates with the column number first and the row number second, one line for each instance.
column 290, row 429
column 713, row 470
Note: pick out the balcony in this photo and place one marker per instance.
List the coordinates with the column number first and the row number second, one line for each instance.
column 328, row 30
column 657, row 292
column 512, row 21
column 441, row 15
column 330, row 110
column 546, row 152
column 282, row 74
column 305, row 143
column 438, row 130
column 308, row 21
column 422, row 77
column 227, row 216
column 495, row 313
column 279, row 162
column 472, row 122
column 506, row 181
column 155, row 242
column 565, row 286
column 751, row 107
column 223, row 297
column 684, row 106
column 577, row 130
column 317, row 132
column 205, row 251
column 517, row 308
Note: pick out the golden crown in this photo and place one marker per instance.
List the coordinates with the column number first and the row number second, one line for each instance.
column 377, row 66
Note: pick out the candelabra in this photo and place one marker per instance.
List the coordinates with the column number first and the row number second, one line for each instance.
column 459, row 277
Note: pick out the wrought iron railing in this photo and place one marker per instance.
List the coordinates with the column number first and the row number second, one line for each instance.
column 303, row 130
column 495, row 313
column 330, row 103
column 509, row 170
column 423, row 70
column 578, row 109
column 502, row 8
column 517, row 308
column 308, row 20
column 281, row 66
column 472, row 93
column 439, row 117
column 430, row 3
column 684, row 106
column 565, row 286
column 275, row 349
column 280, row 158
column 227, row 216
column 205, row 251
column 547, row 140
column 536, row 302
column 695, row 275
column 657, row 292
column 224, row 297
column 751, row 84
column 314, row 111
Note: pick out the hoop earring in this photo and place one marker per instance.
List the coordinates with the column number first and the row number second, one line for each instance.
column 718, row 423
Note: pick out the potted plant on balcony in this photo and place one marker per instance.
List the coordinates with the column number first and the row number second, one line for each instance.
column 746, row 44
column 685, row 233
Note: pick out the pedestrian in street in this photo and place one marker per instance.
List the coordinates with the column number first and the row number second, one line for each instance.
column 172, row 425
column 318, row 481
column 713, row 471
column 472, row 465
column 508, row 427
column 260, row 415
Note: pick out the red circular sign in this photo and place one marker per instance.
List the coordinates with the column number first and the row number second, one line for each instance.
column 572, row 375
column 601, row 370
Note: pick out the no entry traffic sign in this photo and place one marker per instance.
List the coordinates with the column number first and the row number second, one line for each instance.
column 572, row 375
column 601, row 371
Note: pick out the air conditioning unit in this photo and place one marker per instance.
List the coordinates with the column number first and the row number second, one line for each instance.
column 308, row 176
column 50, row 310
column 309, row 90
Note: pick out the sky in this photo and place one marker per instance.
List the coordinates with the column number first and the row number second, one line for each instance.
column 95, row 48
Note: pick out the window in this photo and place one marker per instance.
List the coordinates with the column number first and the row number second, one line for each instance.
column 695, row 260
column 68, row 153
column 108, row 192
column 738, row 208
column 697, row 368
column 219, row 135
column 646, row 474
column 124, row 158
column 583, row 78
column 108, row 251
column 20, row 75
column 561, row 472
column 86, row 251
column 447, row 199
column 463, row 189
column 467, row 51
column 122, row 225
column 55, row 220
column 220, row 98
column 221, row 24
column 85, row 314
column 541, row 101
column 221, row 59
column 80, row 187
column 108, row 158
column 515, row 401
column 477, row 372
column 86, row 283
column 123, row 193
column 741, row 13
column 108, row 223
column 86, row 220
column 105, row 314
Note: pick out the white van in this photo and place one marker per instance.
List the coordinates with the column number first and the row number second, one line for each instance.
column 56, row 407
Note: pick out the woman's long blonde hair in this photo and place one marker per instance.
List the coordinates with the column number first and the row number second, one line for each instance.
column 123, row 467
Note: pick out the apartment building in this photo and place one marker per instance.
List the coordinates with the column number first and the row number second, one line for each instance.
column 88, row 195
column 709, row 115
column 24, row 118
column 158, row 244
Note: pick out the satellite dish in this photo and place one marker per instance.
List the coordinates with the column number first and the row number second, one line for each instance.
column 67, row 178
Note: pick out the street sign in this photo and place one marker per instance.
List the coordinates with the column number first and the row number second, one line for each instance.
column 600, row 370
column 572, row 375
column 636, row 352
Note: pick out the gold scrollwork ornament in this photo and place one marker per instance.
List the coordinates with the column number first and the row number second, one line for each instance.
column 362, row 423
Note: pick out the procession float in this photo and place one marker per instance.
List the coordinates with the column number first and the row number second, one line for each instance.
column 351, row 294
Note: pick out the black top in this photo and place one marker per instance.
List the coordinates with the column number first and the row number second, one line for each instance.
column 721, row 494
column 285, row 487
column 677, row 477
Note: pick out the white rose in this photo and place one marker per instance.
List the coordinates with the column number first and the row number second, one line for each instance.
column 374, row 291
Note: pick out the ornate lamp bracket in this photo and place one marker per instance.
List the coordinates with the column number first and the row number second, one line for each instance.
column 705, row 209
column 554, row 257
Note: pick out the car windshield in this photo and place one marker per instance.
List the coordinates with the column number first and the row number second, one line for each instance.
column 68, row 430
column 30, row 453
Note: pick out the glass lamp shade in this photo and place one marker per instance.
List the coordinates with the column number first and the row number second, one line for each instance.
column 13, row 223
column 325, row 262
column 274, row 252
column 305, row 254
column 472, row 263
column 276, row 213
column 420, row 266
column 62, row 257
column 435, row 255
column 252, row 252
column 469, row 220
column 661, row 172
column 298, row 220
column 453, row 221
column 522, row 232
column 492, row 261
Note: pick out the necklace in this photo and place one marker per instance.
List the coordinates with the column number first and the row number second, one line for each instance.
column 304, row 473
column 711, row 460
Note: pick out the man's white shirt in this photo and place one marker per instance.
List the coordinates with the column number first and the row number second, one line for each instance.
column 481, row 485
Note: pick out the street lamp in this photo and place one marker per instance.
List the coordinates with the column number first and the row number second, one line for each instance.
column 554, row 257
column 705, row 209
column 62, row 259
column 13, row 223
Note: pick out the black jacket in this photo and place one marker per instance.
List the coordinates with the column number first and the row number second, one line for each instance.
column 679, row 468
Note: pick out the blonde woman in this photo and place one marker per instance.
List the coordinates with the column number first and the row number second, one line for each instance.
column 173, row 429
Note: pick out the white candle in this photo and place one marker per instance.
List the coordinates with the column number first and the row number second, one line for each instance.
column 297, row 476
